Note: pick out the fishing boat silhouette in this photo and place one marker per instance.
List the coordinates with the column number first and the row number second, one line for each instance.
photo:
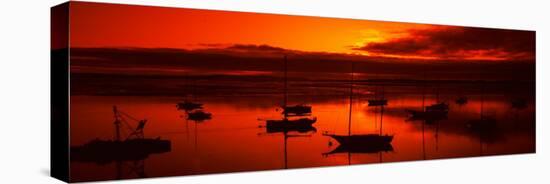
column 132, row 148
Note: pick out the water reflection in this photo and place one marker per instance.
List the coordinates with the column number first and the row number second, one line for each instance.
column 363, row 121
column 290, row 132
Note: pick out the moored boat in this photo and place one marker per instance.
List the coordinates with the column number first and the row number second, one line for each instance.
column 134, row 147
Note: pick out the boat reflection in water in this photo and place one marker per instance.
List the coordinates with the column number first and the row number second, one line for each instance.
column 291, row 127
column 296, row 120
column 293, row 131
column 134, row 148
column 485, row 127
column 199, row 115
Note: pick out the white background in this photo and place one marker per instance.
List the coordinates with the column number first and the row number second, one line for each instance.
column 24, row 90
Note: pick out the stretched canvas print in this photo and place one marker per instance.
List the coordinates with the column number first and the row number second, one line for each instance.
column 141, row 91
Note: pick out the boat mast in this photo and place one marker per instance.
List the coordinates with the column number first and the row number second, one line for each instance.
column 381, row 117
column 117, row 124
column 424, row 91
column 350, row 106
column 481, row 122
column 424, row 110
column 350, row 100
column 285, row 152
column 285, row 88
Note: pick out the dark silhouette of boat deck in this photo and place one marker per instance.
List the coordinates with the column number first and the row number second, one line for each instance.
column 379, row 102
column 297, row 110
column 367, row 143
column 286, row 124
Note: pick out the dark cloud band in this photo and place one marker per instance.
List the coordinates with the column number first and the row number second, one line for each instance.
column 459, row 43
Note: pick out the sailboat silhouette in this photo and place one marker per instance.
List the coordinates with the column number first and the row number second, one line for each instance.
column 360, row 143
column 292, row 110
column 299, row 112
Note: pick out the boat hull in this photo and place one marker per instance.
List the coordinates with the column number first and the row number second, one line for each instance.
column 369, row 143
column 378, row 102
column 285, row 125
column 106, row 151
column 297, row 110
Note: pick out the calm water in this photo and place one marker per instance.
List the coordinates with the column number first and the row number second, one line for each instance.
column 235, row 139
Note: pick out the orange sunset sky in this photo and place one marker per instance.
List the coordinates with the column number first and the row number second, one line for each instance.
column 109, row 25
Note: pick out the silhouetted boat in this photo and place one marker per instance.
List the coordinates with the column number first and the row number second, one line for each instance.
column 285, row 124
column 297, row 110
column 106, row 151
column 188, row 105
column 380, row 102
column 461, row 100
column 361, row 143
column 370, row 143
column 429, row 114
column 292, row 110
column 133, row 148
column 365, row 139
column 199, row 115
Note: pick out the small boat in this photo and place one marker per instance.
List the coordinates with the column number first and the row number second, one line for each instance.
column 379, row 102
column 364, row 139
column 135, row 147
column 368, row 143
column 188, row 105
column 107, row 151
column 361, row 143
column 299, row 124
column 199, row 115
column 428, row 116
column 461, row 100
column 442, row 106
column 297, row 110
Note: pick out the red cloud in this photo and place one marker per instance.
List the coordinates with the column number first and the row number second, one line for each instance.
column 459, row 43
